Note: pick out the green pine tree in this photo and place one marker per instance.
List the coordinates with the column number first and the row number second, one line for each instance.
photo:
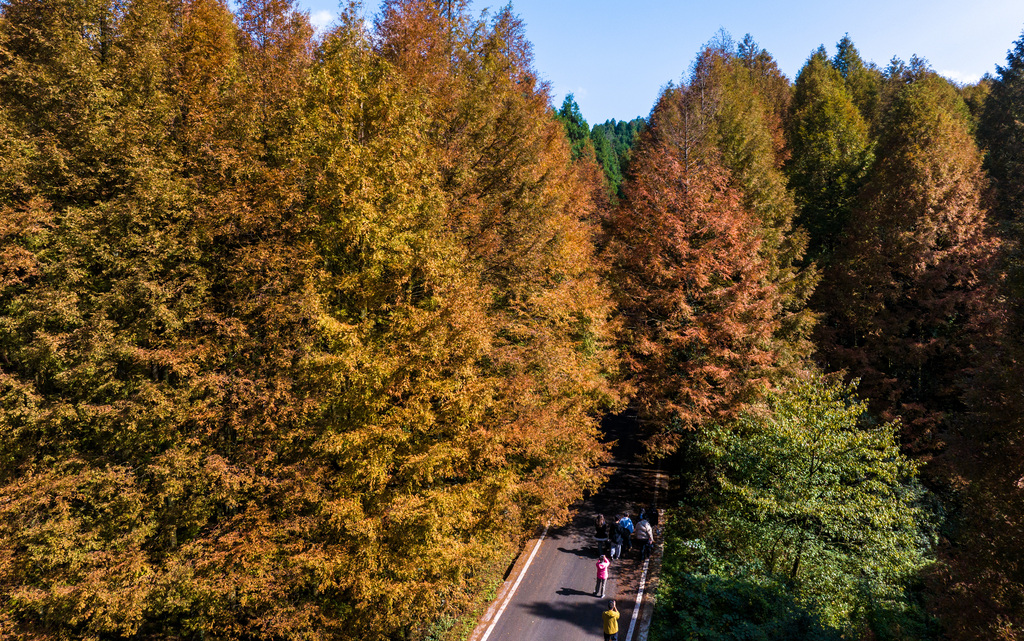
column 830, row 154
column 576, row 128
column 863, row 81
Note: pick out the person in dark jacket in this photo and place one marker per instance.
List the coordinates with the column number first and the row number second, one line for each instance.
column 650, row 514
column 615, row 537
column 600, row 533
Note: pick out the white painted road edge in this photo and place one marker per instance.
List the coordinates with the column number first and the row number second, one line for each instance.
column 515, row 586
column 639, row 600
column 643, row 574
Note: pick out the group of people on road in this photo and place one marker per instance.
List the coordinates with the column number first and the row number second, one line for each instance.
column 619, row 534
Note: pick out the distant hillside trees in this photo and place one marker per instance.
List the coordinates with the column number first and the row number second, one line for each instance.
column 609, row 145
column 576, row 129
column 613, row 148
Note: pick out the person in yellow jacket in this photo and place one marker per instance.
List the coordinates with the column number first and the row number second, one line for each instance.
column 611, row 623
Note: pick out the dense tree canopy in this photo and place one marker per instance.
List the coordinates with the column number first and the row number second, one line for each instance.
column 690, row 286
column 906, row 296
column 302, row 334
column 863, row 80
column 704, row 248
column 805, row 496
column 295, row 337
column 1002, row 132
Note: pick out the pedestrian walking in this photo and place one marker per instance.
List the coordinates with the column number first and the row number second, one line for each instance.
column 611, row 623
column 645, row 535
column 615, row 539
column 600, row 533
column 602, row 576
column 626, row 524
column 651, row 514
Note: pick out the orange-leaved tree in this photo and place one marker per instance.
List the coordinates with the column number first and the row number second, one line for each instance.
column 907, row 302
column 690, row 279
column 712, row 159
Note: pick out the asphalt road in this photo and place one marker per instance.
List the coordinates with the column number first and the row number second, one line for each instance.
column 554, row 599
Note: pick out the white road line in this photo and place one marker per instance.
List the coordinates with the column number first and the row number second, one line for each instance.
column 515, row 586
column 639, row 599
column 643, row 574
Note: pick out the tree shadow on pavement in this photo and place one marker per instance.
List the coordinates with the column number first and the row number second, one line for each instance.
column 583, row 552
column 586, row 616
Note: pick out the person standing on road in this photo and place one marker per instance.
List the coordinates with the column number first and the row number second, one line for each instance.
column 646, row 536
column 600, row 533
column 626, row 524
column 615, row 537
column 611, row 623
column 602, row 576
column 651, row 514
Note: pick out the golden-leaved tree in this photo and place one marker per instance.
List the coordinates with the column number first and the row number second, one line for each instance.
column 297, row 338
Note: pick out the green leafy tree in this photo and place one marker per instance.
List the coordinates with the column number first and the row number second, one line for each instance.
column 807, row 497
column 772, row 87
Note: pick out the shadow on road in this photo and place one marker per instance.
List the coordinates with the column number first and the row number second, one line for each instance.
column 572, row 592
column 586, row 616
column 544, row 608
column 584, row 552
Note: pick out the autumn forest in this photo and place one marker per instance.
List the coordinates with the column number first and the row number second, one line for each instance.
column 302, row 333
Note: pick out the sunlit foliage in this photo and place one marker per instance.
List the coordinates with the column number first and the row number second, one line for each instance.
column 298, row 338
column 809, row 515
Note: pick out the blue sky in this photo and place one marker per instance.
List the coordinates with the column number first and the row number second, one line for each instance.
column 616, row 56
